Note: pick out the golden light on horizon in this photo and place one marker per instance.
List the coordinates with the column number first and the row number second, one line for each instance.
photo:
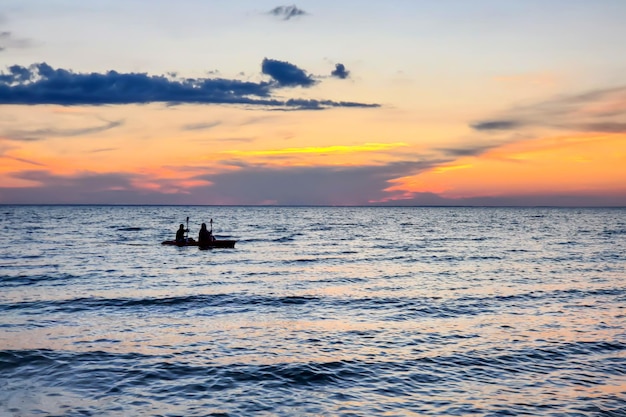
column 589, row 163
column 336, row 149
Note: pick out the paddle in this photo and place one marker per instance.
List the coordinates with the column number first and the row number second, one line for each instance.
column 187, row 230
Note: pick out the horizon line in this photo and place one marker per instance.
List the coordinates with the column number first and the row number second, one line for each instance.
column 306, row 205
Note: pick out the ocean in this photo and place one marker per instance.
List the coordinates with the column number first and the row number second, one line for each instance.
column 317, row 311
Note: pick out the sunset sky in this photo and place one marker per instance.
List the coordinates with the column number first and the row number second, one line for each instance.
column 399, row 102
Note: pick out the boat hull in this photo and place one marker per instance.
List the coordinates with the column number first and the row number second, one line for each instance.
column 211, row 245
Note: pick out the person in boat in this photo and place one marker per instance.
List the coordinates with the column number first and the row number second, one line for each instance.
column 205, row 237
column 180, row 234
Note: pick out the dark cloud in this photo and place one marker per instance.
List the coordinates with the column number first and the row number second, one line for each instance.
column 17, row 74
column 601, row 110
column 42, row 84
column 287, row 12
column 286, row 74
column 340, row 71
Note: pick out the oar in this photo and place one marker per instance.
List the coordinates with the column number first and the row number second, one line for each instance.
column 187, row 230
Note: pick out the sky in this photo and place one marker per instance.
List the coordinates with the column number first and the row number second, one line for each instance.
column 344, row 102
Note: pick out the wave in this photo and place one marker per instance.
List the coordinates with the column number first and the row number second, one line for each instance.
column 391, row 308
column 8, row 281
column 529, row 376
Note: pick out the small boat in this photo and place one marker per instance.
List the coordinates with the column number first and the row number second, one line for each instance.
column 217, row 243
column 212, row 241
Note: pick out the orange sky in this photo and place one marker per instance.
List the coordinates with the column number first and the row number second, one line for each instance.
column 579, row 164
column 422, row 111
column 589, row 164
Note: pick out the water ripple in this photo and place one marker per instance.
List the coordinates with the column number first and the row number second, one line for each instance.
column 318, row 311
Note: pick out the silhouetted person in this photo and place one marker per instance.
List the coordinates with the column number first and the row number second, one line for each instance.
column 180, row 234
column 204, row 236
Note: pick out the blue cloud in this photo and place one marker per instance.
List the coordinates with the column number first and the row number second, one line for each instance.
column 287, row 12
column 340, row 71
column 286, row 74
column 43, row 84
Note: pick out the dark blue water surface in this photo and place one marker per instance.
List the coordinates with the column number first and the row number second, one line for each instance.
column 316, row 312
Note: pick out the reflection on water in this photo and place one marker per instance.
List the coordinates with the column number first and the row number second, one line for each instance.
column 318, row 311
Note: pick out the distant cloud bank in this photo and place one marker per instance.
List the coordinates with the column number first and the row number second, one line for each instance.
column 43, row 84
column 594, row 111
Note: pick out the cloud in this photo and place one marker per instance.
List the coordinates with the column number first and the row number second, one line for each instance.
column 7, row 41
column 286, row 74
column 201, row 126
column 602, row 110
column 43, row 84
column 39, row 134
column 257, row 184
column 340, row 71
column 96, row 182
column 306, row 185
column 496, row 125
column 80, row 188
column 103, row 150
column 606, row 127
column 247, row 184
column 287, row 12
column 303, row 104
column 469, row 150
column 26, row 161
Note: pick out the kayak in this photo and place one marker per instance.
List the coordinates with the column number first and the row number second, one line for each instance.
column 213, row 244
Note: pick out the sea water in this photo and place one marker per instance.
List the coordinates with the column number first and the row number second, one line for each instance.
column 315, row 312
